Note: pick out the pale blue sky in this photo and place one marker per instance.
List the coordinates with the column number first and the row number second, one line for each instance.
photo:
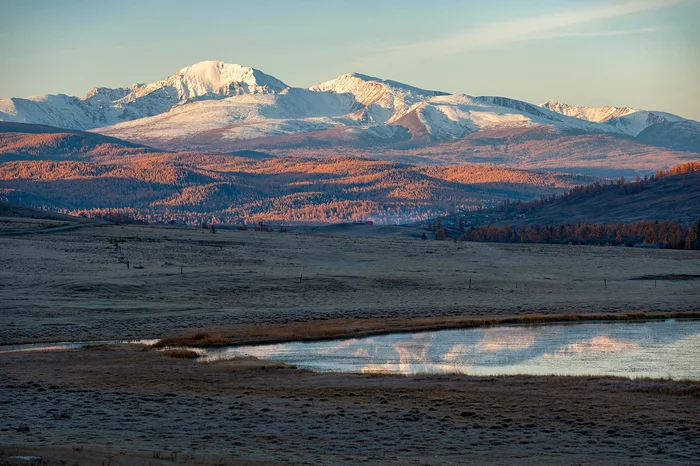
column 639, row 53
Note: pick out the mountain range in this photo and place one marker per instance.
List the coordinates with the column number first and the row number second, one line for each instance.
column 219, row 107
column 231, row 144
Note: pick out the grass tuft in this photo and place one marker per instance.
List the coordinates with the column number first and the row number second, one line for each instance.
column 62, row 415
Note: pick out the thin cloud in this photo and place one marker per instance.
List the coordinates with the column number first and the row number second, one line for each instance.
column 622, row 32
column 537, row 27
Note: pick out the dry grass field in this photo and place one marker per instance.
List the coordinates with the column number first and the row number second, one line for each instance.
column 132, row 405
column 77, row 284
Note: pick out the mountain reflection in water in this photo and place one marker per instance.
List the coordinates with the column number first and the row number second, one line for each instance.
column 668, row 348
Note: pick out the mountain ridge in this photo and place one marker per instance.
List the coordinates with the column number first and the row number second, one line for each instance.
column 214, row 106
column 595, row 114
column 212, row 79
column 630, row 121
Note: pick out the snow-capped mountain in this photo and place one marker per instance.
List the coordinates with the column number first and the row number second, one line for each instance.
column 348, row 105
column 211, row 105
column 246, row 116
column 452, row 116
column 628, row 120
column 104, row 106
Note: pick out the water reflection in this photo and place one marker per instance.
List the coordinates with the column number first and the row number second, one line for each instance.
column 650, row 349
column 599, row 344
column 498, row 339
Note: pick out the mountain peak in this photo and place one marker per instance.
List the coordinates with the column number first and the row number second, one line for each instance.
column 388, row 100
column 362, row 76
column 215, row 74
column 354, row 79
column 217, row 78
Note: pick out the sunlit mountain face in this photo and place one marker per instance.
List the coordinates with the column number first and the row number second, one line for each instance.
column 214, row 106
column 226, row 143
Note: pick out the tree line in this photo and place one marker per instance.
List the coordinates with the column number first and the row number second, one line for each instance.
column 666, row 234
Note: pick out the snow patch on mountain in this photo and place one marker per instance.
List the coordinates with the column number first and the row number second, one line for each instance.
column 628, row 120
column 209, row 79
column 384, row 100
column 594, row 114
column 634, row 123
column 58, row 110
column 246, row 116
column 456, row 115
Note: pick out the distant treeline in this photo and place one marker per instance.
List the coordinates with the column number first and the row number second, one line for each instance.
column 682, row 169
column 666, row 234
column 116, row 217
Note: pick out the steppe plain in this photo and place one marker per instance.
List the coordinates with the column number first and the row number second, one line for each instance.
column 138, row 405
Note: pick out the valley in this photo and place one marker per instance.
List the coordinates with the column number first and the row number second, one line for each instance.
column 221, row 206
column 349, row 233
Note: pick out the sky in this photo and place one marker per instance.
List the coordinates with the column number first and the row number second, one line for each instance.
column 638, row 53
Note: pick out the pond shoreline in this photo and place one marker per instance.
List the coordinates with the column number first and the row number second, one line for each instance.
column 331, row 330
column 415, row 325
column 632, row 349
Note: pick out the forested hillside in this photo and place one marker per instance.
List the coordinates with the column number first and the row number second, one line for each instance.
column 89, row 174
column 229, row 189
column 672, row 194
column 662, row 210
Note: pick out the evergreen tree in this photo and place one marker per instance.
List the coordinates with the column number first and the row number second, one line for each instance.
column 440, row 230
column 691, row 239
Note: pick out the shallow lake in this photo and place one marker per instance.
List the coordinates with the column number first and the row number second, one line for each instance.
column 667, row 349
